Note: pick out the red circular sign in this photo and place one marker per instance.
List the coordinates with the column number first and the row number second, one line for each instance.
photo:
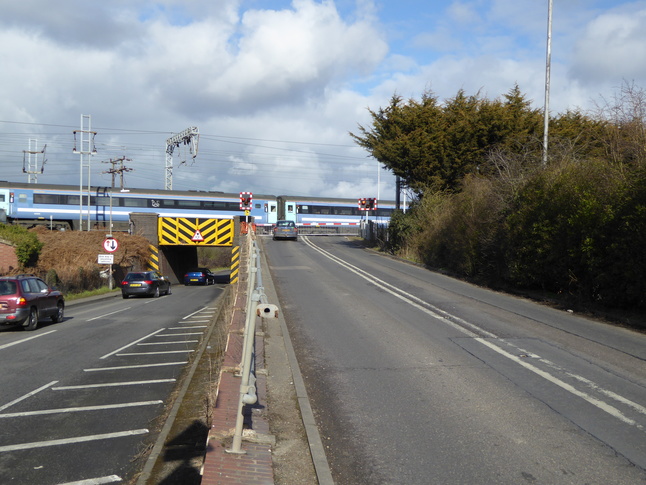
column 110, row 245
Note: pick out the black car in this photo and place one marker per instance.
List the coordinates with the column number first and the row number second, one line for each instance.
column 25, row 299
column 145, row 283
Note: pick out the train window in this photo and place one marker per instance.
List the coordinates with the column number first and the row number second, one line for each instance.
column 100, row 200
column 188, row 203
column 22, row 198
column 303, row 209
column 135, row 202
column 345, row 211
column 290, row 208
column 46, row 199
column 71, row 200
column 1, row 197
column 167, row 203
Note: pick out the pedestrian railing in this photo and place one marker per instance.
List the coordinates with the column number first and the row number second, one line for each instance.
column 256, row 307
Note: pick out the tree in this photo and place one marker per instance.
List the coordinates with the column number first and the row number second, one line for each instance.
column 433, row 145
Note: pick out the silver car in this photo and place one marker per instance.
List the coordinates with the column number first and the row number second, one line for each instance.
column 285, row 230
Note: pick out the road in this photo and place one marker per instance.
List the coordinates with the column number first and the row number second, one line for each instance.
column 418, row 378
column 82, row 400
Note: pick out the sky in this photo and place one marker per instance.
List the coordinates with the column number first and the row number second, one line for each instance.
column 274, row 87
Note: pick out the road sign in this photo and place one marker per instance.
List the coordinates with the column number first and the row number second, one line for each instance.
column 110, row 245
column 106, row 259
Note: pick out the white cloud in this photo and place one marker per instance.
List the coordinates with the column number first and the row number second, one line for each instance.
column 301, row 74
column 613, row 45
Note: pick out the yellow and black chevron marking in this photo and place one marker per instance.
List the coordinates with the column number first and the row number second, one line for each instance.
column 182, row 231
column 235, row 264
column 153, row 259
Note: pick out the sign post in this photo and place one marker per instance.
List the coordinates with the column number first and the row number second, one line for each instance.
column 110, row 244
column 246, row 202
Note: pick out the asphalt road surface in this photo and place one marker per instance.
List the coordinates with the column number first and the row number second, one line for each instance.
column 81, row 401
column 418, row 378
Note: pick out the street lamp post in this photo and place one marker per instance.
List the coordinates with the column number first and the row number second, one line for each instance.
column 548, row 67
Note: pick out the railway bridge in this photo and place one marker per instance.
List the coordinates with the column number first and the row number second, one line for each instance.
column 174, row 241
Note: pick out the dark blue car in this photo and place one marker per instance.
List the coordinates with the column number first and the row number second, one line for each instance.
column 199, row 276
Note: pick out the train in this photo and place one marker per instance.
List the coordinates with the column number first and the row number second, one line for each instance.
column 67, row 207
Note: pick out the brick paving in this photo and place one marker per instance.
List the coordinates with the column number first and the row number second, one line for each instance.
column 254, row 466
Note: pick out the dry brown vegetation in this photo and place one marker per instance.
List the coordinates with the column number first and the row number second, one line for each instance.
column 68, row 259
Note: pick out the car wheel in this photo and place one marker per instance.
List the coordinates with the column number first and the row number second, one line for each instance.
column 168, row 292
column 156, row 294
column 124, row 296
column 32, row 320
column 60, row 311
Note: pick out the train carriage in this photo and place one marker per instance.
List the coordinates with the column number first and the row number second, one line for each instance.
column 321, row 211
column 67, row 207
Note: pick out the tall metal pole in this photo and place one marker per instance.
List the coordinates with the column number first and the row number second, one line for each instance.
column 87, row 148
column 548, row 60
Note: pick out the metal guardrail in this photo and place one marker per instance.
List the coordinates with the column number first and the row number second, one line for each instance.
column 257, row 307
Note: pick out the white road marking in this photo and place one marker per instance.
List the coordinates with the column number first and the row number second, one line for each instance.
column 177, row 334
column 112, row 384
column 25, row 339
column 80, row 409
column 169, row 343
column 564, row 385
column 108, row 314
column 156, row 353
column 2, row 408
column 95, row 481
column 452, row 319
column 141, row 366
column 133, row 343
column 195, row 313
column 68, row 441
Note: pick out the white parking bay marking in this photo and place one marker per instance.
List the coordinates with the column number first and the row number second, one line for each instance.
column 81, row 409
column 140, row 366
column 29, row 394
column 25, row 339
column 133, row 343
column 178, row 334
column 96, row 481
column 170, row 343
column 71, row 441
column 195, row 313
column 156, row 353
column 108, row 314
column 113, row 384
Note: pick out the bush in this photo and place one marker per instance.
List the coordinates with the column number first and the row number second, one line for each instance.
column 27, row 244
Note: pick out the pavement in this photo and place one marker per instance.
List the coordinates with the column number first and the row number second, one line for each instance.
column 296, row 454
column 254, row 464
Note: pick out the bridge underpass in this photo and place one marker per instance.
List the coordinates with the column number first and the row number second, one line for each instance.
column 174, row 240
